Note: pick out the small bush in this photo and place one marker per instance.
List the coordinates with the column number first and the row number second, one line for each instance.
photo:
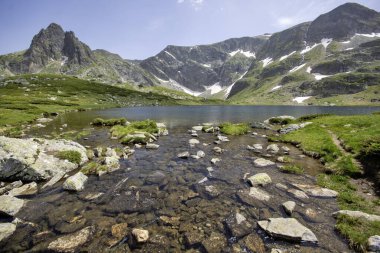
column 234, row 129
column 109, row 122
column 280, row 121
column 70, row 155
column 291, row 169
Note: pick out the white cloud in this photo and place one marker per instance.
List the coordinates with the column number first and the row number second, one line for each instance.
column 286, row 21
column 196, row 4
column 180, row 1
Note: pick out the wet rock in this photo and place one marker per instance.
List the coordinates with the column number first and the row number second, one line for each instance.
column 6, row 230
column 205, row 179
column 281, row 186
column 140, row 235
column 316, row 191
column 209, row 129
column 75, row 182
column 184, row 155
column 10, row 205
column 273, row 148
column 261, row 162
column 287, row 228
column 112, row 163
column 172, row 221
column 264, row 214
column 152, row 146
column 193, row 142
column 260, row 125
column 259, row 194
column 358, row 214
column 34, row 159
column 197, row 128
column 289, row 207
column 25, row 190
column 110, row 152
column 254, row 243
column 215, row 243
column 98, row 152
column 201, row 154
column 256, row 147
column 54, row 180
column 156, row 177
column 193, row 237
column 285, row 149
column 69, row 243
column 259, row 179
column 10, row 186
column 70, row 225
column 238, row 225
column 298, row 194
column 215, row 160
column 194, row 134
column 218, row 150
column 222, row 138
column 293, row 127
column 120, row 230
column 212, row 191
column 373, row 243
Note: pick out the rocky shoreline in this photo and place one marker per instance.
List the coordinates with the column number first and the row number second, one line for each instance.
column 194, row 191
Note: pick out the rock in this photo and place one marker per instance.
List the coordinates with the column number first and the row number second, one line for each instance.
column 259, row 179
column 215, row 160
column 288, row 228
column 279, row 117
column 193, row 238
column 289, row 128
column 69, row 243
column 358, row 214
column 254, row 243
column 156, row 177
column 209, row 130
column 316, row 191
column 98, row 152
column 205, row 179
column 215, row 243
column 194, row 135
column 75, row 182
column 10, row 205
column 281, row 186
column 54, row 180
column 373, row 243
column 212, row 191
column 184, row 155
column 281, row 159
column 238, row 225
column 289, row 207
column 201, row 154
column 25, row 190
column 298, row 194
column 218, row 150
column 273, row 148
column 112, row 163
column 276, row 251
column 222, row 138
column 285, row 149
column 195, row 157
column 197, row 128
column 6, row 230
column 172, row 221
column 110, row 152
column 259, row 194
column 260, row 125
column 119, row 230
column 34, row 159
column 140, row 235
column 44, row 120
column 261, row 162
column 152, row 146
column 10, row 186
column 193, row 142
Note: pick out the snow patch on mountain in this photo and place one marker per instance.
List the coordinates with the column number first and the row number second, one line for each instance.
column 215, row 88
column 229, row 88
column 308, row 70
column 267, row 61
column 276, row 87
column 300, row 100
column 370, row 35
column 286, row 56
column 318, row 76
column 170, row 55
column 297, row 68
column 206, row 65
column 325, row 42
column 245, row 53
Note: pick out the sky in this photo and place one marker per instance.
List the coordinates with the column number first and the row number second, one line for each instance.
column 137, row 29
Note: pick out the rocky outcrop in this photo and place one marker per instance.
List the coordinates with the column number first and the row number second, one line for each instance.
column 36, row 159
column 289, row 229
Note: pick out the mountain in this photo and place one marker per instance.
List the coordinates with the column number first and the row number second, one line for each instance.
column 333, row 59
column 53, row 50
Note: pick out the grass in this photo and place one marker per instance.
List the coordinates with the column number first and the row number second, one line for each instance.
column 280, row 121
column 291, row 169
column 234, row 129
column 144, row 128
column 357, row 230
column 70, row 155
column 92, row 168
column 360, row 137
column 108, row 122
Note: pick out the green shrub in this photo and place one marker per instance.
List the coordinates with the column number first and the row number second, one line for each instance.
column 234, row 129
column 291, row 169
column 109, row 122
column 92, row 168
column 280, row 121
column 70, row 155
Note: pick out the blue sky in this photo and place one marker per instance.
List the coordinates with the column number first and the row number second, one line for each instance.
column 137, row 29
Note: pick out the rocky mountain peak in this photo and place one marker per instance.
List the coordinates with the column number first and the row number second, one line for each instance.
column 343, row 22
column 76, row 51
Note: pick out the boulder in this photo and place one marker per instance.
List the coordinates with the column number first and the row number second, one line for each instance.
column 201, row 154
column 193, row 142
column 218, row 150
column 289, row 207
column 34, row 159
column 10, row 205
column 215, row 160
column 222, row 138
column 288, row 228
column 373, row 243
column 259, row 194
column 25, row 190
column 358, row 214
column 197, row 128
column 140, row 235
column 259, row 179
column 316, row 191
column 152, row 146
column 6, row 230
column 69, row 243
column 298, row 194
column 261, row 162
column 75, row 182
column 273, row 148
column 183, row 155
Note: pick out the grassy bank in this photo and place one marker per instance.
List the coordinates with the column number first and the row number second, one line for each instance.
column 350, row 148
column 25, row 98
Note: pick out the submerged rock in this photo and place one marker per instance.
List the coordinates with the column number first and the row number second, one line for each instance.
column 254, row 243
column 238, row 225
column 34, row 159
column 10, row 205
column 140, row 235
column 289, row 207
column 260, row 179
column 216, row 242
column 6, row 230
column 69, row 243
column 119, row 230
column 288, row 228
column 75, row 182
